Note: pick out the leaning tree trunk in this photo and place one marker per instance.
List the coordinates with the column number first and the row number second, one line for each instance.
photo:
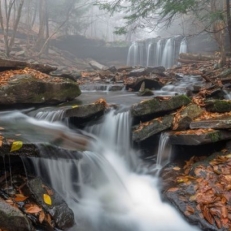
column 228, row 21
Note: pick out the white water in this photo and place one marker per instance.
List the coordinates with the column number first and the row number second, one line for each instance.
column 183, row 46
column 104, row 191
column 158, row 53
column 133, row 55
column 149, row 54
column 168, row 53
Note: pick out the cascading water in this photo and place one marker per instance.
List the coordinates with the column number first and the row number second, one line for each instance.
column 102, row 189
column 157, row 53
column 168, row 53
column 133, row 55
column 149, row 54
column 183, row 46
column 164, row 151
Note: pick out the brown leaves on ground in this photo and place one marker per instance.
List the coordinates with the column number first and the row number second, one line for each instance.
column 209, row 115
column 212, row 185
column 177, row 118
column 7, row 75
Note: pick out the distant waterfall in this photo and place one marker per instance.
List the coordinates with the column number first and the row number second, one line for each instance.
column 168, row 53
column 183, row 46
column 149, row 53
column 156, row 52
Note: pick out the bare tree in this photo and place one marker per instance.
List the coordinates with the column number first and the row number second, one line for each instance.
column 7, row 10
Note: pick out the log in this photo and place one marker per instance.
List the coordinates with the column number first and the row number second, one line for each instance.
column 189, row 61
column 198, row 57
column 97, row 66
column 6, row 64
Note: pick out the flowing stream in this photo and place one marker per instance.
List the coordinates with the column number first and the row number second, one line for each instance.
column 104, row 188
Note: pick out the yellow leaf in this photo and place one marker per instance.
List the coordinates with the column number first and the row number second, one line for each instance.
column 16, row 145
column 74, row 106
column 47, row 199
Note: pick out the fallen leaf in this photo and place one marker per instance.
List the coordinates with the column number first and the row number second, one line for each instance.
column 16, row 145
column 47, row 199
column 41, row 216
column 33, row 209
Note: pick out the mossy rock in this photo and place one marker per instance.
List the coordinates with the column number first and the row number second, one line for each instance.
column 26, row 89
column 218, row 105
column 155, row 105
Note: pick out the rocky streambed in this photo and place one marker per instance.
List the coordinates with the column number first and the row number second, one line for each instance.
column 195, row 115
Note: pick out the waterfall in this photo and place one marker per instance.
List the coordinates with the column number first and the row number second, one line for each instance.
column 183, row 46
column 168, row 53
column 164, row 151
column 158, row 53
column 133, row 55
column 102, row 189
column 149, row 54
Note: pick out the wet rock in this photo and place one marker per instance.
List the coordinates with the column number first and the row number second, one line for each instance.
column 147, row 71
column 150, row 83
column 218, row 105
column 32, row 149
column 155, row 70
column 186, row 115
column 124, row 68
column 74, row 76
column 27, row 89
column 148, row 129
column 85, row 111
column 215, row 123
column 155, row 105
column 116, row 88
column 198, row 137
column 12, row 219
column 97, row 66
column 145, row 92
column 60, row 212
column 138, row 72
column 201, row 191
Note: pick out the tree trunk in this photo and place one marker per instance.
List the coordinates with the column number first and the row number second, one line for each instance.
column 228, row 21
column 42, row 21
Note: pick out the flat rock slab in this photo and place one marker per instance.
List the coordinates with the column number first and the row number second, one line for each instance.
column 151, row 128
column 217, row 123
column 198, row 137
column 152, row 106
column 34, row 150
column 85, row 111
column 78, row 111
column 12, row 219
column 60, row 212
column 218, row 105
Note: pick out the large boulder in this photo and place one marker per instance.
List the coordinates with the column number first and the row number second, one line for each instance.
column 156, row 105
column 28, row 89
column 12, row 219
